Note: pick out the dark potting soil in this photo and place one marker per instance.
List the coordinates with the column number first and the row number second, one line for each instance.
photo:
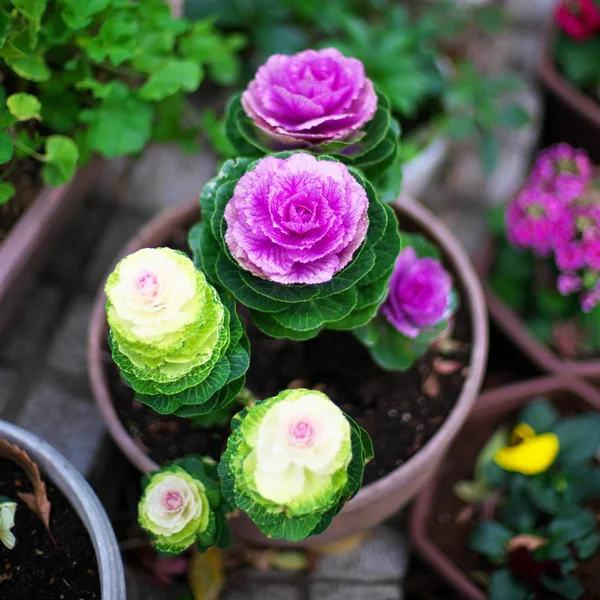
column 401, row 411
column 38, row 568
column 449, row 528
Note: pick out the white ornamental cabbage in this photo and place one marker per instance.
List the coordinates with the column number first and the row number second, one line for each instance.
column 8, row 509
column 176, row 343
column 181, row 505
column 292, row 461
column 164, row 316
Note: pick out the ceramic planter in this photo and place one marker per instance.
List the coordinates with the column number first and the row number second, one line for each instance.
column 23, row 251
column 419, row 171
column 492, row 409
column 571, row 116
column 515, row 328
column 374, row 502
column 78, row 492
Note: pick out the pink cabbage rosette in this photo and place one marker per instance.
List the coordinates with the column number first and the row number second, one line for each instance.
column 296, row 220
column 417, row 310
column 301, row 240
column 419, row 295
column 310, row 98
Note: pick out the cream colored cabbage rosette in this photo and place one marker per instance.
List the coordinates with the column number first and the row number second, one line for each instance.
column 178, row 344
column 292, row 462
column 182, row 504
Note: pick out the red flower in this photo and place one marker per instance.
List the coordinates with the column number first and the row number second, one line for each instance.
column 579, row 19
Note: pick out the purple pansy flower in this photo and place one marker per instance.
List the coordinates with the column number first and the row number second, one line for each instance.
column 296, row 220
column 419, row 295
column 563, row 171
column 310, row 98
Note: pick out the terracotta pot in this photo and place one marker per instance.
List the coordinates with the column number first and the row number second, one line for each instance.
column 571, row 116
column 515, row 328
column 374, row 502
column 24, row 249
column 55, row 467
column 493, row 408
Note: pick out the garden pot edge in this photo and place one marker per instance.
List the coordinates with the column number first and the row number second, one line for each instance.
column 376, row 501
column 23, row 250
column 55, row 467
column 560, row 86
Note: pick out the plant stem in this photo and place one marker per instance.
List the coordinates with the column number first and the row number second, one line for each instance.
column 29, row 151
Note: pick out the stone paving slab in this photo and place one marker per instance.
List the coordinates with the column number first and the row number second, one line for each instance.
column 32, row 325
column 68, row 350
column 265, row 592
column 64, row 418
column 382, row 556
column 342, row 591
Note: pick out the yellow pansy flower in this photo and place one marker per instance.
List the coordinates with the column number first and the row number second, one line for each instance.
column 528, row 454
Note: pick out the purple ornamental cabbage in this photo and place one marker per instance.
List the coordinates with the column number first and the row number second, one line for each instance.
column 419, row 295
column 296, row 220
column 310, row 98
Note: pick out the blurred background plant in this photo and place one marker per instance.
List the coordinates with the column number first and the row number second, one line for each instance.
column 104, row 77
column 410, row 52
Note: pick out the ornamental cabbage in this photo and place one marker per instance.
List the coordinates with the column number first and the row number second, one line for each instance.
column 292, row 462
column 8, row 508
column 302, row 241
column 177, row 344
column 303, row 227
column 182, row 504
column 321, row 101
column 311, row 97
column 420, row 302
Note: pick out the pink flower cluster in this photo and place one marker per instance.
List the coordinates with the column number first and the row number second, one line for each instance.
column 557, row 215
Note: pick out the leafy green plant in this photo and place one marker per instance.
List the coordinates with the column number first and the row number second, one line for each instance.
column 542, row 475
column 102, row 77
column 404, row 56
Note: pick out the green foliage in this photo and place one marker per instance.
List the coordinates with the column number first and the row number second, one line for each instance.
column 525, row 284
column 545, row 510
column 297, row 312
column 480, row 106
column 390, row 349
column 99, row 76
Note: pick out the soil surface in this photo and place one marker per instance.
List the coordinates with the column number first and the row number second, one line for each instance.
column 38, row 568
column 401, row 410
column 451, row 534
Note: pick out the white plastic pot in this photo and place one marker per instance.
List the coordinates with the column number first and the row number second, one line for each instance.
column 55, row 467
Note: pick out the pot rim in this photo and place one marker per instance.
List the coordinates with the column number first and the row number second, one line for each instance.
column 501, row 399
column 559, row 85
column 81, row 496
column 514, row 327
column 179, row 215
